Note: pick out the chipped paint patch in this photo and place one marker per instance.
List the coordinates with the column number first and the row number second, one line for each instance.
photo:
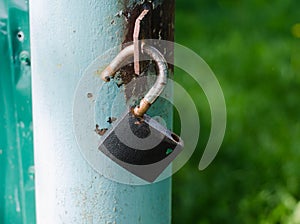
column 157, row 24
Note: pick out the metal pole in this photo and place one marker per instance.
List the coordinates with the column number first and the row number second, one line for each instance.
column 16, row 147
column 65, row 37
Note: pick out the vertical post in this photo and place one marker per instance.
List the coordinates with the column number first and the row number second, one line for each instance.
column 16, row 147
column 65, row 37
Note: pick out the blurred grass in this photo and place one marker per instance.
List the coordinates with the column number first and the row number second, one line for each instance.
column 254, row 49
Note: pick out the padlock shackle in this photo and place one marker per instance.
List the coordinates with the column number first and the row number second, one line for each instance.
column 159, row 84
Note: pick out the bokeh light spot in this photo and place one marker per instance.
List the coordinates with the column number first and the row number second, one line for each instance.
column 296, row 30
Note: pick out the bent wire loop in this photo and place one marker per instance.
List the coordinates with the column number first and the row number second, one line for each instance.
column 159, row 84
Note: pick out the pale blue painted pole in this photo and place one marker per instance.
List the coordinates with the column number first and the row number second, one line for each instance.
column 65, row 37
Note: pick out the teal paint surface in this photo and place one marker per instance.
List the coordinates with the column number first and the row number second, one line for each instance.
column 16, row 149
column 66, row 36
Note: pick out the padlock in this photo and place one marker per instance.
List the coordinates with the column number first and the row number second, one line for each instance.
column 137, row 142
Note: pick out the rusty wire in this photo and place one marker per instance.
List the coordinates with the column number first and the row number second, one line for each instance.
column 136, row 44
column 159, row 84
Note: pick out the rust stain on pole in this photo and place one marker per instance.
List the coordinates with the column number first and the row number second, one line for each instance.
column 158, row 24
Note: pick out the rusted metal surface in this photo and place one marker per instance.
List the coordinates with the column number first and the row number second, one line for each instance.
column 141, row 109
column 100, row 131
column 157, row 24
column 159, row 84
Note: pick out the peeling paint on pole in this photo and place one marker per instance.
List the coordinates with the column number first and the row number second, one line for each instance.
column 157, row 24
column 65, row 37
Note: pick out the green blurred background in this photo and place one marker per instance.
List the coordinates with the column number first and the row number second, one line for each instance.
column 253, row 47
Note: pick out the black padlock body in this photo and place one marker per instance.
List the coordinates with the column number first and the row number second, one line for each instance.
column 141, row 128
column 137, row 125
column 165, row 145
